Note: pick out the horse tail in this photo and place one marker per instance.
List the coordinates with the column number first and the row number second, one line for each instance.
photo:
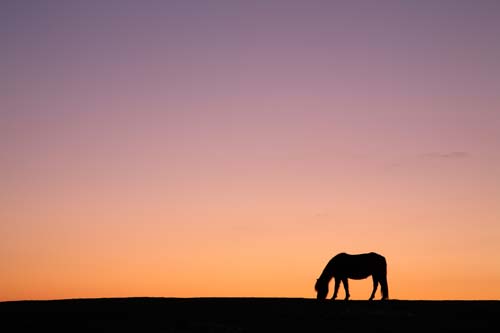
column 383, row 281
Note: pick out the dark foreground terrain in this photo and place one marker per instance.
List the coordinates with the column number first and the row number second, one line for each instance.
column 248, row 315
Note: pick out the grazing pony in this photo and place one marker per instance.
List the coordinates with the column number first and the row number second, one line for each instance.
column 345, row 266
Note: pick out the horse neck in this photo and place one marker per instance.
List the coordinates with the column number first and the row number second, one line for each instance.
column 327, row 274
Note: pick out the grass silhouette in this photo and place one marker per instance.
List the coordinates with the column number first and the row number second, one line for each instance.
column 249, row 315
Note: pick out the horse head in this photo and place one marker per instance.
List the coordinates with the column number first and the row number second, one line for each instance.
column 321, row 288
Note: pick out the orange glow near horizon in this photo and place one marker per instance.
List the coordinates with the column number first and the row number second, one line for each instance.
column 231, row 149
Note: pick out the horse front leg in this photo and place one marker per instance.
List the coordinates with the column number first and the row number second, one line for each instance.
column 346, row 288
column 336, row 289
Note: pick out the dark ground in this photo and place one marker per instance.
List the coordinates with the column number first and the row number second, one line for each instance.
column 248, row 315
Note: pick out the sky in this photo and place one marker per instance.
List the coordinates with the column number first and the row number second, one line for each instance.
column 231, row 148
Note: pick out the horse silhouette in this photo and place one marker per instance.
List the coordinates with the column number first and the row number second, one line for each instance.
column 344, row 266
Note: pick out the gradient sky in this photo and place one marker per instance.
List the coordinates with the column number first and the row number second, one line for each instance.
column 231, row 148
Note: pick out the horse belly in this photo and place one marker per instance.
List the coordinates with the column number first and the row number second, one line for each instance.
column 358, row 273
column 358, row 276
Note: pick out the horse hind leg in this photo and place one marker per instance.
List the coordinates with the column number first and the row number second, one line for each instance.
column 384, row 287
column 375, row 285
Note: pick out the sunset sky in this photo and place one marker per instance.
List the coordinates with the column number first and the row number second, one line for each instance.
column 231, row 148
